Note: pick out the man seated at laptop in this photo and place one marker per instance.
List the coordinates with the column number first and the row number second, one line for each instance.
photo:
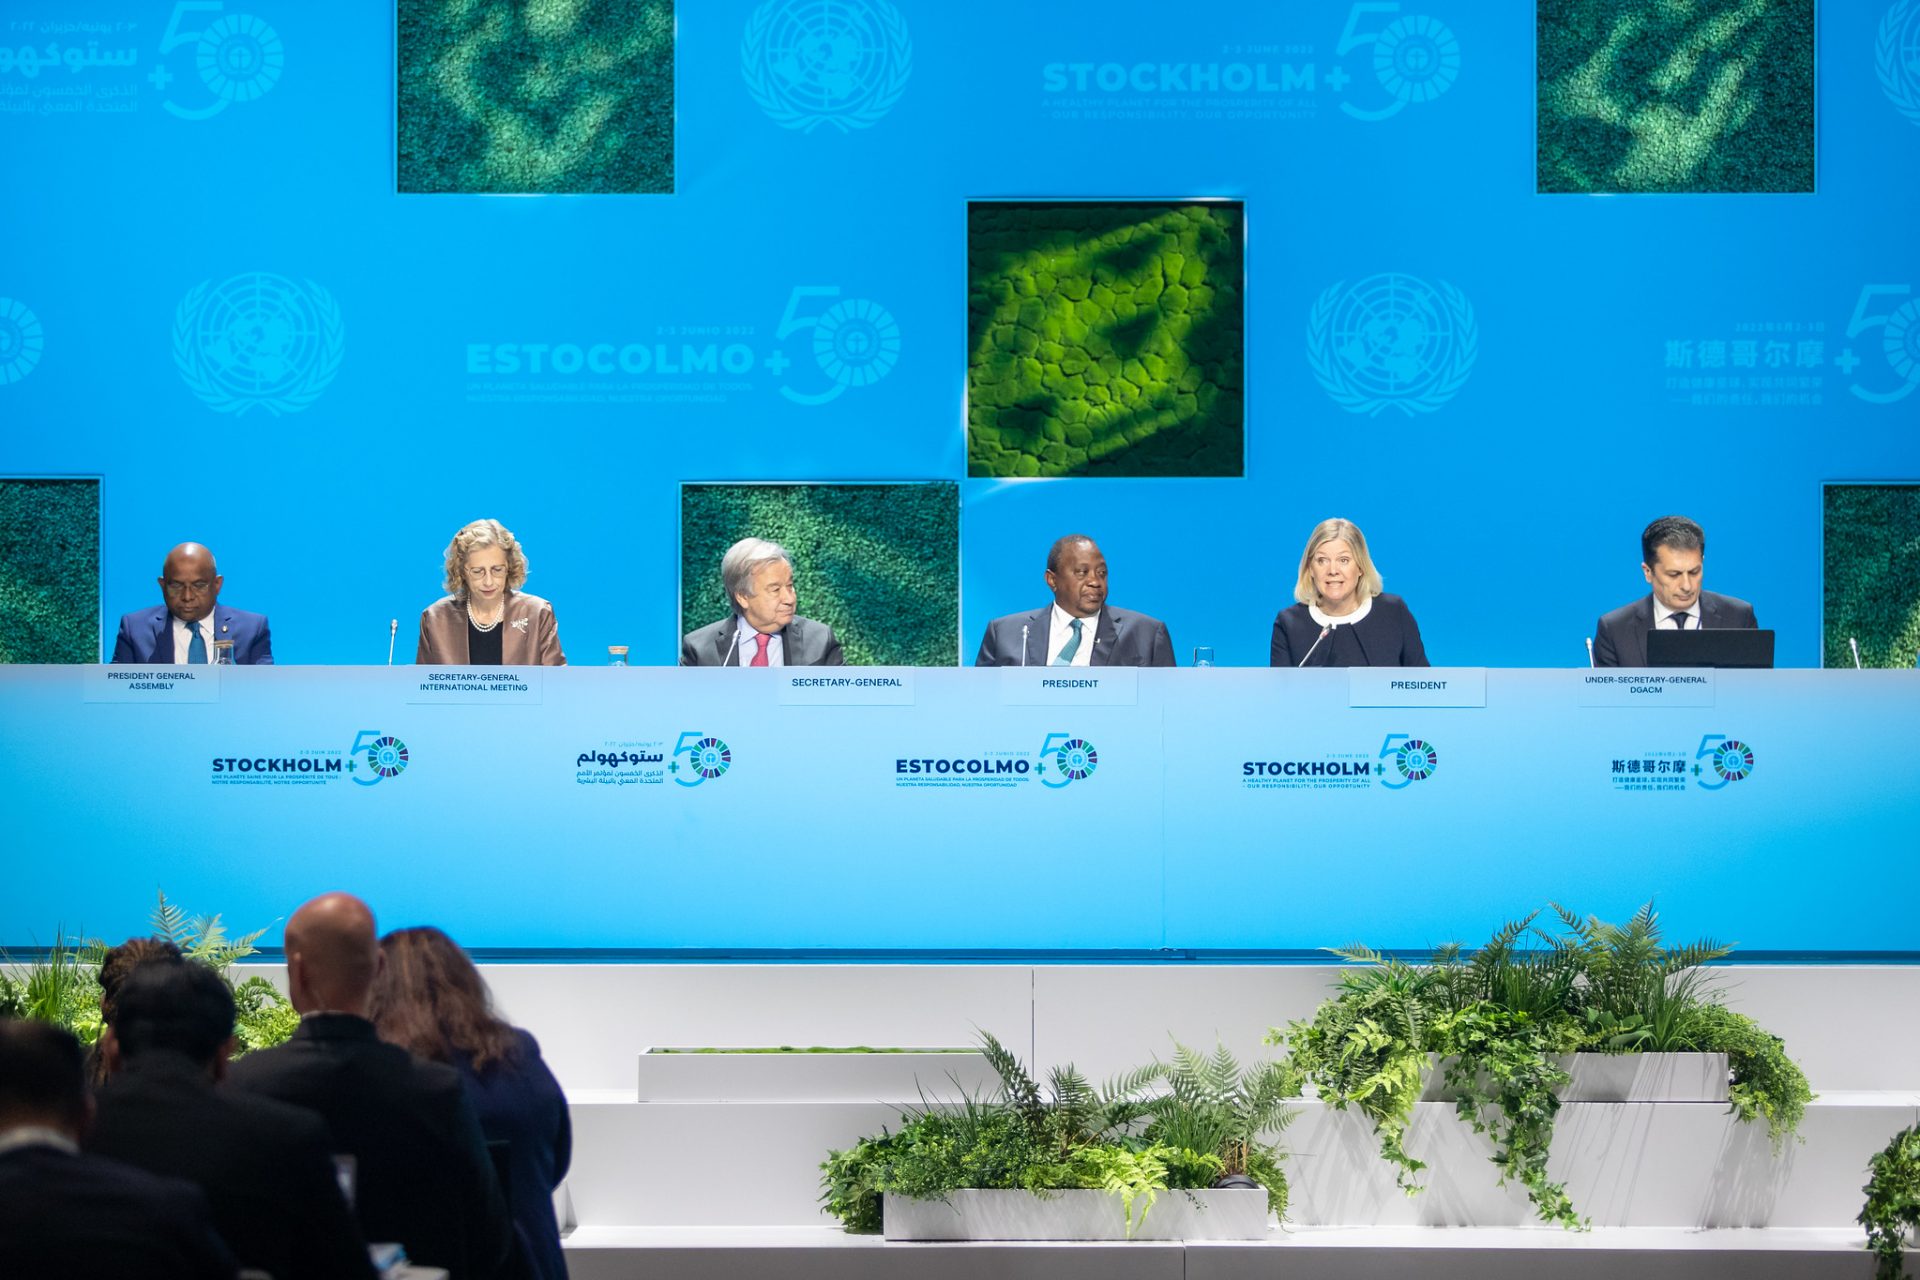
column 1673, row 553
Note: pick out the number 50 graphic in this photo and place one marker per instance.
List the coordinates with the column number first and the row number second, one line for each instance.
column 238, row 57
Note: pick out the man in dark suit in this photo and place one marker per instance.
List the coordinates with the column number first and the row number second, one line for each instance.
column 266, row 1166
column 1077, row 629
column 763, row 630
column 184, row 629
column 421, row 1170
column 75, row 1216
column 1673, row 554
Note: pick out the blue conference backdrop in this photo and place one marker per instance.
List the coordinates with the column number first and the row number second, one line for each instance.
column 219, row 299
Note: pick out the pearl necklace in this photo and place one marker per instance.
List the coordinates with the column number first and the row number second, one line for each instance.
column 483, row 627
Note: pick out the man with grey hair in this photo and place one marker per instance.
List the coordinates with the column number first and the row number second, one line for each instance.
column 763, row 630
column 1673, row 552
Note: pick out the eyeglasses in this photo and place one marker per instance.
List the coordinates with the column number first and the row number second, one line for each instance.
column 487, row 571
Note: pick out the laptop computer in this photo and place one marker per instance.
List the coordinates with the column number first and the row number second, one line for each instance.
column 1713, row 647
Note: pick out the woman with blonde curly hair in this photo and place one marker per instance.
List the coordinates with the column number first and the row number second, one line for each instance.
column 485, row 620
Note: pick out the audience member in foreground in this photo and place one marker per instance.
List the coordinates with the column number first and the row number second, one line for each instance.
column 430, row 999
column 422, row 1174
column 68, row 1215
column 266, row 1167
column 115, row 966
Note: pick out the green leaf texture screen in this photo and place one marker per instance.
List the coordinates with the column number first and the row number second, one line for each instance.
column 1872, row 574
column 49, row 570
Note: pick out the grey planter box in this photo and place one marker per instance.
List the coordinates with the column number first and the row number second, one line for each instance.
column 811, row 1077
column 1227, row 1214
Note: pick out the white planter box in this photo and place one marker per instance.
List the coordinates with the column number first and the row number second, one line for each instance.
column 1227, row 1214
column 813, row 1077
column 1624, row 1077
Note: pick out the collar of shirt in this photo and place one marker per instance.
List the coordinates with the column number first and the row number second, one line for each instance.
column 33, row 1135
column 1661, row 613
column 1345, row 619
column 1060, row 630
column 744, row 644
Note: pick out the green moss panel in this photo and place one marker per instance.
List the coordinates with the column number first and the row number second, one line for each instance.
column 1872, row 574
column 879, row 563
column 49, row 570
column 1105, row 340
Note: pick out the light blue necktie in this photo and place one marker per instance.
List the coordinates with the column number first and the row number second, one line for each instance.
column 197, row 646
column 1071, row 647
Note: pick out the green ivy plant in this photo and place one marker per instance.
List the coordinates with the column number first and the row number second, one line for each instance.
column 1893, row 1202
column 1501, row 1017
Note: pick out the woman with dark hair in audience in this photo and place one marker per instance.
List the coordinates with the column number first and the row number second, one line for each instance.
column 431, row 1000
column 115, row 965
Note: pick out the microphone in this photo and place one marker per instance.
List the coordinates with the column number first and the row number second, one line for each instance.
column 1590, row 661
column 733, row 646
column 393, row 630
column 1324, row 633
column 1856, row 652
column 1024, row 628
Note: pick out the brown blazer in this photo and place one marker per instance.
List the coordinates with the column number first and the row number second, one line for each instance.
column 532, row 638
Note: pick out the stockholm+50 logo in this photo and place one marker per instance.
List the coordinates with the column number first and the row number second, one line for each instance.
column 258, row 341
column 1415, row 58
column 1065, row 759
column 385, row 756
column 1392, row 341
column 236, row 56
column 1896, row 57
column 1413, row 760
column 21, row 341
column 706, row 758
column 838, row 62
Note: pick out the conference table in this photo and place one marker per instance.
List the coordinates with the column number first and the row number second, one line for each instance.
column 1221, row 811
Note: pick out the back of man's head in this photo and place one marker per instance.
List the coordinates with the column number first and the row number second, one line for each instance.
column 42, row 1077
column 333, row 955
column 178, row 1005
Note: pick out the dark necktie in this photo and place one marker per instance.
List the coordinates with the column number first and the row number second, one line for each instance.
column 1679, row 622
column 196, row 645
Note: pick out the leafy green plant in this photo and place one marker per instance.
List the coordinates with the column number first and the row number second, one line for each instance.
column 1211, row 1117
column 1767, row 1084
column 1502, row 1067
column 1893, row 1202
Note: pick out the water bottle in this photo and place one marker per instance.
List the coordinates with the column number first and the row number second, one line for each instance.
column 1203, row 655
column 616, row 655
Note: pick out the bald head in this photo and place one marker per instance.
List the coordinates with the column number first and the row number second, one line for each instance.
column 333, row 955
column 190, row 582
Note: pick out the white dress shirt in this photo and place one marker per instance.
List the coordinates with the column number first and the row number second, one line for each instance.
column 745, row 646
column 1663, row 617
column 1062, row 631
column 183, row 636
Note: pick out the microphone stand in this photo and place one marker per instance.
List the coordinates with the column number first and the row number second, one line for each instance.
column 393, row 630
column 1324, row 633
column 1024, row 628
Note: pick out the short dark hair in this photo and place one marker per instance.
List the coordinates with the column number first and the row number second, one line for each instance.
column 122, row 960
column 42, row 1072
column 1677, row 532
column 1059, row 549
column 180, row 1005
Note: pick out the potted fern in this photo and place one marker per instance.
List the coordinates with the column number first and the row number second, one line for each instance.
column 1066, row 1161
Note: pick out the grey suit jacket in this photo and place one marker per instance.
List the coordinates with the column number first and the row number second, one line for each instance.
column 1122, row 638
column 804, row 643
column 1620, row 637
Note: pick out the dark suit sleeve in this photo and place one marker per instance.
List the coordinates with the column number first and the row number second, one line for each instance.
column 1412, row 652
column 989, row 655
column 263, row 645
column 1605, row 652
column 190, row 1218
column 325, row 1238
column 686, row 652
column 1280, row 652
column 122, row 643
column 489, row 1224
column 832, row 657
column 1160, row 652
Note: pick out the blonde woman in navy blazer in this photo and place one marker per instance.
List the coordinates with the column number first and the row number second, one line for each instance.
column 1343, row 619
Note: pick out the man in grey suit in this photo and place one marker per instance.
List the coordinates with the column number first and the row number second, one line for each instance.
column 1673, row 556
column 763, row 630
column 1077, row 629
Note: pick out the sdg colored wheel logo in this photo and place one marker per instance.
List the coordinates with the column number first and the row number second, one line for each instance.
column 1416, row 761
column 711, row 757
column 1732, row 760
column 1076, row 760
column 387, row 757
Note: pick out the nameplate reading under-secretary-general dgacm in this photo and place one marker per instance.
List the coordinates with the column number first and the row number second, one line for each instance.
column 1633, row 688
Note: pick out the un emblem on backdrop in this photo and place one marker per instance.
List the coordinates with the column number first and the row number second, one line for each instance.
column 21, row 341
column 1392, row 341
column 838, row 62
column 1896, row 56
column 239, row 57
column 258, row 341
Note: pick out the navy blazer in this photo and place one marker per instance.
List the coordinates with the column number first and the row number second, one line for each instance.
column 1388, row 637
column 520, row 1104
column 146, row 636
column 1620, row 637
column 1121, row 638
